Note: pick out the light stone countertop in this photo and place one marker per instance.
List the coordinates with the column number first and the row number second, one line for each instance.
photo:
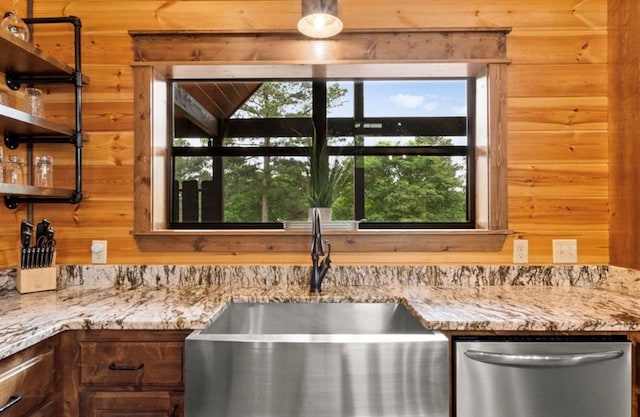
column 30, row 318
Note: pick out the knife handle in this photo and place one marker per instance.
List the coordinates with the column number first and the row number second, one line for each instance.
column 23, row 258
column 26, row 232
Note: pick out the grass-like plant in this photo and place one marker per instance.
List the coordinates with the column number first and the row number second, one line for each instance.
column 325, row 180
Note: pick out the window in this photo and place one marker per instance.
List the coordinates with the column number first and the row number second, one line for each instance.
column 475, row 58
column 405, row 149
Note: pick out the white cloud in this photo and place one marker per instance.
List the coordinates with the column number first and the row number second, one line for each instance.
column 407, row 101
column 431, row 106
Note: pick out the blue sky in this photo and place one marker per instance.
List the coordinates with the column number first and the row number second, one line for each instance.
column 409, row 98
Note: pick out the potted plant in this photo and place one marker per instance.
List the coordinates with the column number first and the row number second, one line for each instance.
column 325, row 180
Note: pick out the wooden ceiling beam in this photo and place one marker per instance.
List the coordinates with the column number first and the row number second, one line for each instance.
column 186, row 105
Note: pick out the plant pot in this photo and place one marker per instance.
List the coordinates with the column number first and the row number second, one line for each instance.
column 325, row 213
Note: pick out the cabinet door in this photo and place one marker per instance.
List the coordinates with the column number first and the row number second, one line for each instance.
column 26, row 381
column 122, row 404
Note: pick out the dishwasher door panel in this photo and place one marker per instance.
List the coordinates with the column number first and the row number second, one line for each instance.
column 543, row 379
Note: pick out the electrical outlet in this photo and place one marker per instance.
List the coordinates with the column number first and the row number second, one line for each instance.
column 99, row 252
column 520, row 251
column 565, row 251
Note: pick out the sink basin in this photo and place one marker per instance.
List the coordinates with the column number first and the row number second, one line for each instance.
column 316, row 359
column 316, row 318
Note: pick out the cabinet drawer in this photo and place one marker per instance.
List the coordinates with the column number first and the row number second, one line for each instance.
column 131, row 363
column 27, row 384
column 128, row 404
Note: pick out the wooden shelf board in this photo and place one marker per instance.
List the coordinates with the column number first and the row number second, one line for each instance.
column 21, row 123
column 32, row 191
column 19, row 57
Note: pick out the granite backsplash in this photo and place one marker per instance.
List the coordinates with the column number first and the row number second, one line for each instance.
column 132, row 276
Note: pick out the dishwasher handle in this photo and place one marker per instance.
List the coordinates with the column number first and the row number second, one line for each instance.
column 542, row 360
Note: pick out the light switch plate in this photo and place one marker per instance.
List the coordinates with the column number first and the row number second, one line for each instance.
column 565, row 251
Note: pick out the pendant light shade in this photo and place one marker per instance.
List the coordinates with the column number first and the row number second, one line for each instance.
column 320, row 18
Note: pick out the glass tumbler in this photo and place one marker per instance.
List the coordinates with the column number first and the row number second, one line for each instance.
column 44, row 171
column 33, row 102
column 4, row 98
column 14, row 170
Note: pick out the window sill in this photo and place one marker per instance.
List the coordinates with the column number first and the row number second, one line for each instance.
column 341, row 241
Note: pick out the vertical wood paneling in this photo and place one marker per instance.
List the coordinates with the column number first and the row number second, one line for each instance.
column 497, row 119
column 557, row 117
column 624, row 104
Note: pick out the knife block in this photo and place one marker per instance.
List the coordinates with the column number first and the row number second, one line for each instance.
column 36, row 279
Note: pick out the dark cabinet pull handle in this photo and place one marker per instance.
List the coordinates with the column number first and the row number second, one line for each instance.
column 174, row 411
column 114, row 367
column 12, row 401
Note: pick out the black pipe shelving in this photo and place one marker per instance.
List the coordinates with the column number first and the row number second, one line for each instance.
column 23, row 63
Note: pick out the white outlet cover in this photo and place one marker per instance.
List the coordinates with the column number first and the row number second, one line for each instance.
column 565, row 251
column 520, row 251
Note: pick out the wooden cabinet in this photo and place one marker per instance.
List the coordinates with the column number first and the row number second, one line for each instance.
column 127, row 373
column 28, row 382
column 23, row 64
column 48, row 409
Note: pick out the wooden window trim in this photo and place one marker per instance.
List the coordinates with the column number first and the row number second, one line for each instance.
column 161, row 56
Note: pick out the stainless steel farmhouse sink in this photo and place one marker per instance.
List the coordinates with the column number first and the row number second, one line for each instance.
column 316, row 359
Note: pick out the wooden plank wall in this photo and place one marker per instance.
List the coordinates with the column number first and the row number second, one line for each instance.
column 624, row 148
column 558, row 150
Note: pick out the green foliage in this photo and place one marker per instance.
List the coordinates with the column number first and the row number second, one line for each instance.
column 243, row 180
column 325, row 180
column 415, row 188
column 279, row 99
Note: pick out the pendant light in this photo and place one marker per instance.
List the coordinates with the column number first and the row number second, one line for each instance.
column 320, row 18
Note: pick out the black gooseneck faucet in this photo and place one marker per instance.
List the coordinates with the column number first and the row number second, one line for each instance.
column 319, row 267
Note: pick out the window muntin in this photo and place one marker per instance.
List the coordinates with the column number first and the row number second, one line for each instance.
column 356, row 139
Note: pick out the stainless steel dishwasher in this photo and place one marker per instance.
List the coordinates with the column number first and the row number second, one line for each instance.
column 535, row 376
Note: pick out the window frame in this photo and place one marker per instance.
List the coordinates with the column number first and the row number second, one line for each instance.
column 161, row 56
column 336, row 127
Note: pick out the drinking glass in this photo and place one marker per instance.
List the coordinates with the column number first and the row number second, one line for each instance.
column 16, row 26
column 14, row 172
column 44, row 171
column 4, row 97
column 33, row 102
